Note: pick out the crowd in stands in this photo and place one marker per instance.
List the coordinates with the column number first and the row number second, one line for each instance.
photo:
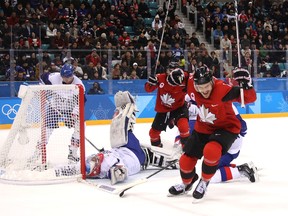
column 263, row 33
column 83, row 32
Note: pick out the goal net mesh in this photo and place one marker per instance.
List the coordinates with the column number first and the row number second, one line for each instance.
column 49, row 121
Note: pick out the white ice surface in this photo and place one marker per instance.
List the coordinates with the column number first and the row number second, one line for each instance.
column 266, row 145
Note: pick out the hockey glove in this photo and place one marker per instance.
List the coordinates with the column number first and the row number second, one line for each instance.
column 152, row 80
column 242, row 76
column 118, row 173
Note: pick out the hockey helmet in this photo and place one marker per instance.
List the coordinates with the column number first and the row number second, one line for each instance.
column 66, row 70
column 175, row 77
column 202, row 75
column 93, row 165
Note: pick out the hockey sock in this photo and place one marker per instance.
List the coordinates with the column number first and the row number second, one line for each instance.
column 212, row 154
column 187, row 168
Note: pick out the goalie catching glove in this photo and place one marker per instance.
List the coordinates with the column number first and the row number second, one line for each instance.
column 242, row 76
column 152, row 80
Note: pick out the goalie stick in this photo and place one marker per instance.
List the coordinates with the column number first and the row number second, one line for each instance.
column 122, row 189
column 121, row 194
column 100, row 150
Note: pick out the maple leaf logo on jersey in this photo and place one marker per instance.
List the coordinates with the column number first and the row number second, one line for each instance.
column 167, row 100
column 205, row 115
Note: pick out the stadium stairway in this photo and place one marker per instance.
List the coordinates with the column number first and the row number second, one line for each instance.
column 190, row 28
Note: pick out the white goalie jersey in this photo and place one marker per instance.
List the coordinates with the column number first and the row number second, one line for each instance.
column 117, row 156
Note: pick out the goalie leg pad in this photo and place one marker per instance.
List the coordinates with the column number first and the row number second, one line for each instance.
column 118, row 173
column 123, row 121
column 122, row 98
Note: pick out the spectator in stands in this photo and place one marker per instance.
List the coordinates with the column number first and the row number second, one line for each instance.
column 54, row 68
column 217, row 34
column 78, row 71
column 101, row 71
column 142, row 40
column 157, row 22
column 125, row 68
column 96, row 89
column 133, row 75
column 139, row 71
column 93, row 57
column 82, row 12
column 143, row 9
column 34, row 41
column 71, row 13
column 128, row 57
column 226, row 47
column 140, row 60
column 13, row 20
column 160, row 68
column 152, row 49
column 52, row 12
column 116, row 73
column 194, row 39
column 139, row 25
column 177, row 51
column 51, row 31
column 12, row 72
column 124, row 39
column 275, row 69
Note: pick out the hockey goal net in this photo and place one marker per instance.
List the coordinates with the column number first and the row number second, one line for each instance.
column 49, row 122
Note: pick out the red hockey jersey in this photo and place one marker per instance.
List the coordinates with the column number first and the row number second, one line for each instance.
column 169, row 97
column 215, row 114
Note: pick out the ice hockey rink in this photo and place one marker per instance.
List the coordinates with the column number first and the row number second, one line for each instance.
column 265, row 144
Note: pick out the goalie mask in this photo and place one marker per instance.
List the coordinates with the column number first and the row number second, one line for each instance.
column 93, row 165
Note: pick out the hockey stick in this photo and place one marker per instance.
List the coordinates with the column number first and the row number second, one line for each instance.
column 238, row 52
column 121, row 190
column 121, row 194
column 100, row 150
column 162, row 36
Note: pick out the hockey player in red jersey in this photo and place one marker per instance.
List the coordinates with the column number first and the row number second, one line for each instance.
column 170, row 103
column 216, row 128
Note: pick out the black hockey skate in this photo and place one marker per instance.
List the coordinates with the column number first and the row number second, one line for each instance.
column 179, row 189
column 248, row 171
column 200, row 189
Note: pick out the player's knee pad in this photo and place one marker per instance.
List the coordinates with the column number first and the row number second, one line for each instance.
column 183, row 127
column 212, row 152
column 187, row 163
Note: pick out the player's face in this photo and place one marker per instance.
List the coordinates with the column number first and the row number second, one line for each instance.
column 68, row 80
column 205, row 89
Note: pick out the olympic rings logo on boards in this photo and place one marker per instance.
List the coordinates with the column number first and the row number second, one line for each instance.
column 10, row 111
